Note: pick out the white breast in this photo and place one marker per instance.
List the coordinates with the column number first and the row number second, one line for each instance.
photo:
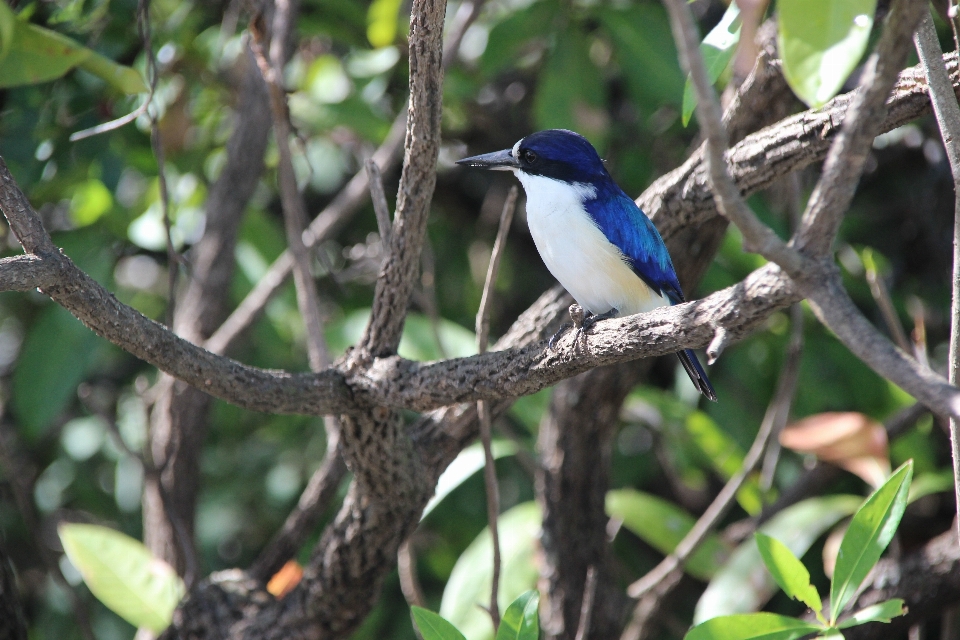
column 577, row 253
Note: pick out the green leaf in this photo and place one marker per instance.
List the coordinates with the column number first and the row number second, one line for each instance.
column 751, row 626
column 662, row 525
column 717, row 50
column 725, row 456
column 467, row 463
column 36, row 55
column 91, row 199
column 517, row 35
column 382, row 22
column 743, row 584
column 8, row 23
column 124, row 79
column 869, row 533
column 881, row 612
column 469, row 583
column 929, row 483
column 821, row 41
column 788, row 571
column 433, row 626
column 123, row 574
column 571, row 92
column 520, row 621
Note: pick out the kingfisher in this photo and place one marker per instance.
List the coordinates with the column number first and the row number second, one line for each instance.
column 592, row 236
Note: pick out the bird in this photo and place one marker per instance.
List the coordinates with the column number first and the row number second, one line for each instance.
column 594, row 239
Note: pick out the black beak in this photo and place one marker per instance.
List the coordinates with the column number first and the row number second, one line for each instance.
column 498, row 161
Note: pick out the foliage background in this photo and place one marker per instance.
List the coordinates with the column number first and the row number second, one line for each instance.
column 605, row 68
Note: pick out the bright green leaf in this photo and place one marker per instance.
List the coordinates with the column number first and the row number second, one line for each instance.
column 881, row 612
column 788, row 571
column 717, row 50
column 467, row 463
column 751, row 626
column 520, row 621
column 869, row 533
column 39, row 55
column 434, row 627
column 821, row 41
column 8, row 23
column 91, row 199
column 743, row 583
column 662, row 525
column 123, row 574
column 382, row 22
column 469, row 583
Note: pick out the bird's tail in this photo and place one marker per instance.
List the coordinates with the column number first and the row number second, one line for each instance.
column 697, row 375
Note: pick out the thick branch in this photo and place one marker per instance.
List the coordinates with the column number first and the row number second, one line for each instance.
column 26, row 273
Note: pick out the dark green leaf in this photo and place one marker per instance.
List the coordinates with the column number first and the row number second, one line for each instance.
column 123, row 574
column 880, row 612
column 434, row 627
column 820, row 42
column 788, row 571
column 520, row 621
column 751, row 626
column 717, row 50
column 869, row 533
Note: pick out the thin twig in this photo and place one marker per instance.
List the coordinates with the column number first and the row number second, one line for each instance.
column 483, row 411
column 380, row 206
column 881, row 295
column 586, row 608
column 294, row 208
column 407, row 570
column 947, row 111
column 113, row 125
column 782, row 409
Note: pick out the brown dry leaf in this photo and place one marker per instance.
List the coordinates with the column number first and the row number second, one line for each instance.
column 849, row 440
column 286, row 579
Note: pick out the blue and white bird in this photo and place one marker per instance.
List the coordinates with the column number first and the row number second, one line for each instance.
column 592, row 236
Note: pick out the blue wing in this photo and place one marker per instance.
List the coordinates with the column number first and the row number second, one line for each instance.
column 627, row 227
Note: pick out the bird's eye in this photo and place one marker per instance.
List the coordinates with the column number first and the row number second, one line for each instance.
column 529, row 156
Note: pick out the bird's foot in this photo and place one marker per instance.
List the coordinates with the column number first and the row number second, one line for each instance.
column 589, row 320
column 577, row 316
column 562, row 330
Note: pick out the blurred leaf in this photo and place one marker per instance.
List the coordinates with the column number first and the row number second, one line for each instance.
column 743, row 584
column 821, row 41
column 725, row 456
column 850, row 440
column 382, row 19
column 717, row 50
column 880, row 612
column 469, row 583
column 510, row 38
column 788, row 571
column 570, row 92
column 124, row 79
column 647, row 56
column 418, row 341
column 930, row 483
column 752, row 626
column 91, row 199
column 7, row 26
column 520, row 621
column 469, row 461
column 123, row 574
column 868, row 535
column 434, row 627
column 38, row 55
column 662, row 525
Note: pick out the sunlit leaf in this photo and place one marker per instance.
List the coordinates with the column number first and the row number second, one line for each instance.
column 751, row 626
column 382, row 22
column 869, row 533
column 91, row 199
column 717, row 50
column 521, row 621
column 469, row 583
column 788, row 571
column 743, row 584
column 662, row 525
column 123, row 574
column 468, row 462
column 880, row 612
column 434, row 627
column 125, row 79
column 820, row 42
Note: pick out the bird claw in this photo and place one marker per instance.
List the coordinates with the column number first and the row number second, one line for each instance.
column 583, row 321
column 562, row 330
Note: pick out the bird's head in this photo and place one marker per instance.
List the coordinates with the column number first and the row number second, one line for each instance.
column 555, row 153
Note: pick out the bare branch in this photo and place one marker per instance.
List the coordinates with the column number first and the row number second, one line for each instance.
column 379, row 199
column 589, row 591
column 26, row 273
